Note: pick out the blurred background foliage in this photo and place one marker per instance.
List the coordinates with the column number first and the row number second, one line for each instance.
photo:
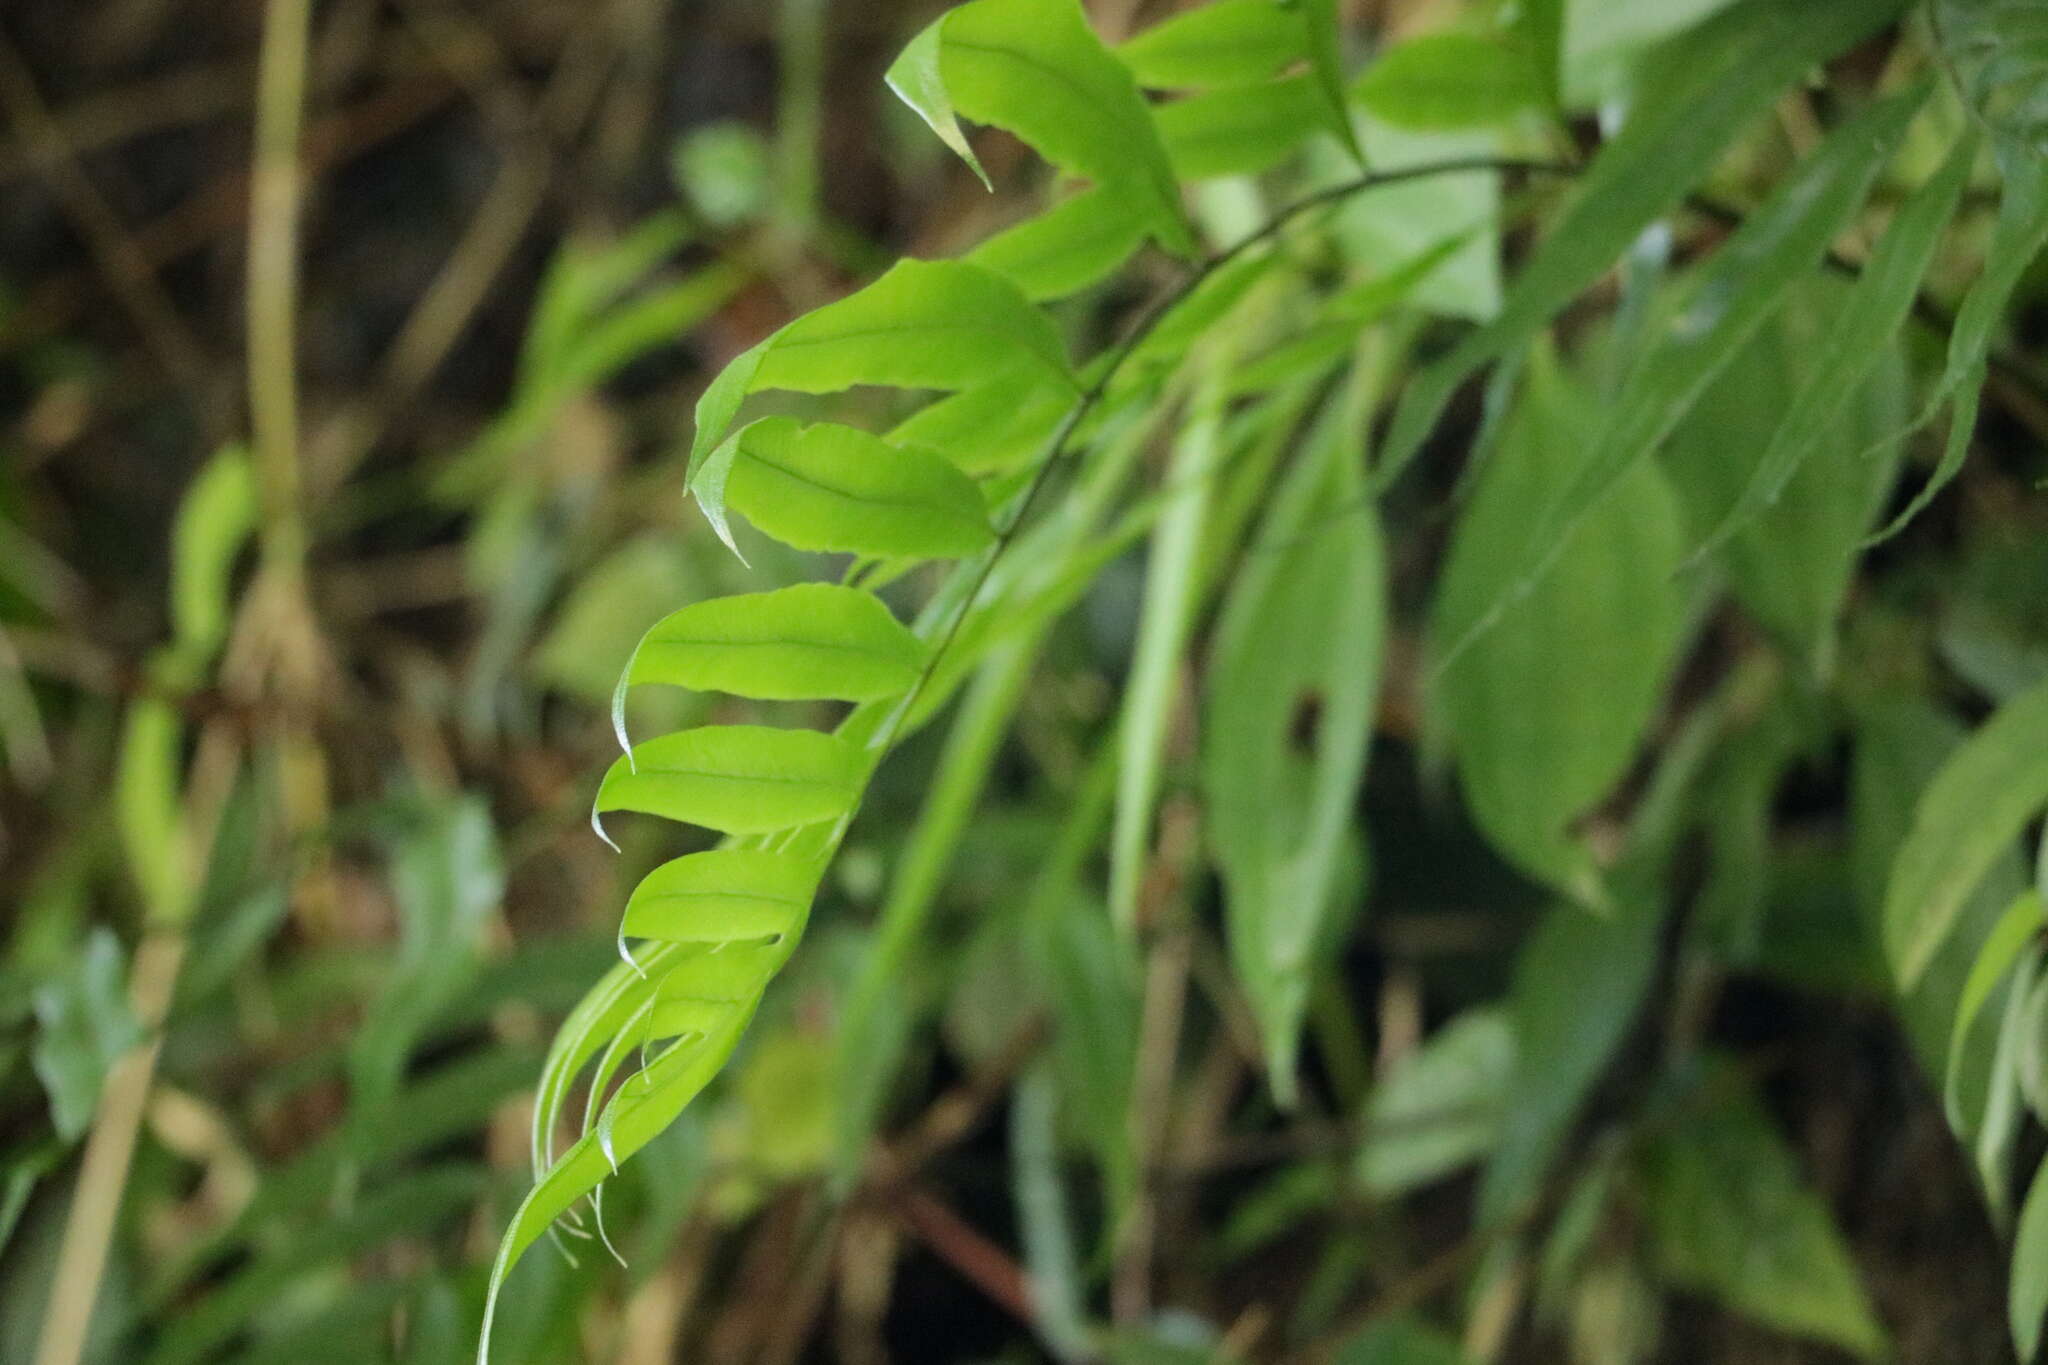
column 295, row 795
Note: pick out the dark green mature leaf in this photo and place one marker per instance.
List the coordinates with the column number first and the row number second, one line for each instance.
column 1230, row 42
column 83, row 1026
column 1854, row 343
column 1545, row 711
column 812, row 640
column 2027, row 1302
column 447, row 876
column 922, row 325
column 1301, row 631
column 1791, row 565
column 1736, row 292
column 1035, row 68
column 1579, row 982
column 737, row 778
column 1239, row 130
column 2021, row 233
column 1402, row 1341
column 831, row 488
column 1730, row 1216
column 1449, row 80
column 1998, row 52
column 1715, row 82
column 1966, row 819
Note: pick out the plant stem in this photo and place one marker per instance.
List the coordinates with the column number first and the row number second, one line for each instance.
column 273, row 284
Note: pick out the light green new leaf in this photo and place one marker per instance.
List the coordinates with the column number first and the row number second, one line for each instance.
column 1736, row 292
column 1068, row 247
column 1730, row 1216
column 2027, row 1301
column 1302, row 628
column 1231, row 42
column 1711, row 85
column 1035, row 68
column 215, row 518
column 1449, row 80
column 148, row 809
column 722, row 895
column 1900, row 748
column 1172, row 579
column 1967, row 817
column 2020, row 925
column 2021, row 233
column 737, row 778
column 922, row 325
column 1545, row 710
column 1440, row 1107
column 813, row 640
column 993, row 428
column 1239, row 130
column 1859, row 336
column 836, row 489
column 645, row 1105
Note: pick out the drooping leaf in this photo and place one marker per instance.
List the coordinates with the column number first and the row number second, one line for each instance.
column 922, row 325
column 831, row 488
column 1967, row 817
column 736, row 778
column 1449, row 80
column 1326, row 71
column 1853, row 343
column 2021, row 232
column 1231, row 42
column 809, row 641
column 1035, row 68
column 1730, row 1216
column 1300, row 634
column 1710, row 86
column 1736, row 292
column 1544, row 711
